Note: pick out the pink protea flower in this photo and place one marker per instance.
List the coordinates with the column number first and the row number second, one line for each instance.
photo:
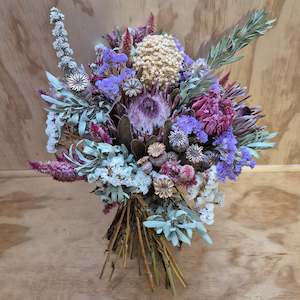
column 149, row 111
column 214, row 111
column 59, row 170
column 99, row 134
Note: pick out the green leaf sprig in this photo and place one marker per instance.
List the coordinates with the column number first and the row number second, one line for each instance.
column 224, row 52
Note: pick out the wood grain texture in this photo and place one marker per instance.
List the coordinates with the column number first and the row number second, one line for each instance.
column 52, row 245
column 270, row 68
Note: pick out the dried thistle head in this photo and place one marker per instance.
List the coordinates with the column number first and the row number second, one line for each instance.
column 163, row 187
column 156, row 149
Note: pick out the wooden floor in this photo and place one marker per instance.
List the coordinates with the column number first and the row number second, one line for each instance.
column 51, row 244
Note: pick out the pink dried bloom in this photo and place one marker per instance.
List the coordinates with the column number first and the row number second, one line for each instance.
column 99, row 134
column 215, row 111
column 171, row 169
column 61, row 171
column 151, row 25
column 108, row 207
column 187, row 174
column 127, row 42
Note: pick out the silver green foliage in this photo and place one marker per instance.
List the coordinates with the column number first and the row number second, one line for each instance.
column 258, row 140
column 194, row 86
column 177, row 225
column 73, row 110
column 112, row 167
column 224, row 52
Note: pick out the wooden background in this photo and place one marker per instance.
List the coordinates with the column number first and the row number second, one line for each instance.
column 51, row 236
column 52, row 245
column 270, row 68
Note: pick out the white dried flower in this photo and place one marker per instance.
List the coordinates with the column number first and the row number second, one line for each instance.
column 56, row 15
column 53, row 130
column 158, row 60
column 207, row 214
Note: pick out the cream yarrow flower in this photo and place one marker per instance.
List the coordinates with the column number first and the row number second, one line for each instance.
column 158, row 60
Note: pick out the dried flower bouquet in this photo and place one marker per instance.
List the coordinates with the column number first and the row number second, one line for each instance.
column 154, row 130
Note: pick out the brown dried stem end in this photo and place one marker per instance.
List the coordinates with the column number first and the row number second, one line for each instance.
column 127, row 233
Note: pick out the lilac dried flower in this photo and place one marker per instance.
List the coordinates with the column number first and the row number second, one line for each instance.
column 226, row 146
column 231, row 159
column 232, row 170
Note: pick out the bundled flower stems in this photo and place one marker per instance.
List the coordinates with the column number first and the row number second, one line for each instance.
column 154, row 130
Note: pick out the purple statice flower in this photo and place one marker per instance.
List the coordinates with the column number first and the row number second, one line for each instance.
column 245, row 159
column 109, row 56
column 189, row 125
column 59, row 170
column 112, row 72
column 187, row 60
column 231, row 159
column 109, row 86
column 226, row 145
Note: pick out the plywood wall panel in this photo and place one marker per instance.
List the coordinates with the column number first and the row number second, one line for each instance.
column 270, row 68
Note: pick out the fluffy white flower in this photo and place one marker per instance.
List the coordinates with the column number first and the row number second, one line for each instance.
column 53, row 130
column 207, row 214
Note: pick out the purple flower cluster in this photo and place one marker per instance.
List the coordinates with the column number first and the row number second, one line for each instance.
column 190, row 125
column 187, row 60
column 232, row 159
column 113, row 72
